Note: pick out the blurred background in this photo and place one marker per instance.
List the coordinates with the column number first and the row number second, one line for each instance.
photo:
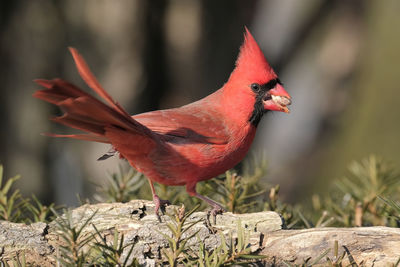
column 339, row 60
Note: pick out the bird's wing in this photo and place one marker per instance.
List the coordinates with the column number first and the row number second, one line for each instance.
column 186, row 125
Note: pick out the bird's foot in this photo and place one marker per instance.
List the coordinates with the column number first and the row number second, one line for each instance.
column 160, row 204
column 216, row 209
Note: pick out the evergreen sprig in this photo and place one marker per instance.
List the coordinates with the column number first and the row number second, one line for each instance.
column 71, row 232
column 111, row 253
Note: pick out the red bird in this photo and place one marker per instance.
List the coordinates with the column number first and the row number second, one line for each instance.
column 179, row 146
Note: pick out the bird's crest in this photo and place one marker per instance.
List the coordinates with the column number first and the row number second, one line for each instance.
column 251, row 63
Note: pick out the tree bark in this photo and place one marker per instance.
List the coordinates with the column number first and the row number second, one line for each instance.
column 39, row 242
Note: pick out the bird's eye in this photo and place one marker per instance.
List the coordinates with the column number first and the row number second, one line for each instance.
column 255, row 87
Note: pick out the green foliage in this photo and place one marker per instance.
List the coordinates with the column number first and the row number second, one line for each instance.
column 234, row 251
column 178, row 227
column 110, row 253
column 239, row 194
column 15, row 208
column 355, row 202
column 10, row 202
column 38, row 211
column 17, row 261
column 71, row 253
column 242, row 193
column 121, row 186
column 81, row 248
column 368, row 179
column 392, row 210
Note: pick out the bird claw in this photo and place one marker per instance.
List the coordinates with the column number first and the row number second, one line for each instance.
column 160, row 204
column 214, row 212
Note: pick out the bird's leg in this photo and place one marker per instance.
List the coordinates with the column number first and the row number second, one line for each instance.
column 216, row 207
column 159, row 203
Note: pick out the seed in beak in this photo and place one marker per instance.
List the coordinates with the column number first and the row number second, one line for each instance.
column 281, row 100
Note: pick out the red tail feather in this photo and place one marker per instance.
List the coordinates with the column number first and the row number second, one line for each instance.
column 85, row 137
column 84, row 112
column 91, row 80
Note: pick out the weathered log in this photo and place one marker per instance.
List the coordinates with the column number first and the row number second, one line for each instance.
column 39, row 242
column 373, row 246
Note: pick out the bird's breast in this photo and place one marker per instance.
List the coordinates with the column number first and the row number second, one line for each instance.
column 205, row 161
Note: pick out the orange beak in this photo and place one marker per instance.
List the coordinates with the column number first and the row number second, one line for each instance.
column 277, row 99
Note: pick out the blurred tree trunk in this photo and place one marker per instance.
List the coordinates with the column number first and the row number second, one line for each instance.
column 155, row 71
column 6, row 10
column 26, row 55
column 222, row 24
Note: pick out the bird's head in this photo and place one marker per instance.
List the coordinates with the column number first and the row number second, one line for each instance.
column 255, row 80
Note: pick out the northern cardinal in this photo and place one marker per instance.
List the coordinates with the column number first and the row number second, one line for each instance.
column 178, row 146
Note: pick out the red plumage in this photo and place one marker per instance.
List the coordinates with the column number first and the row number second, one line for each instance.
column 179, row 146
